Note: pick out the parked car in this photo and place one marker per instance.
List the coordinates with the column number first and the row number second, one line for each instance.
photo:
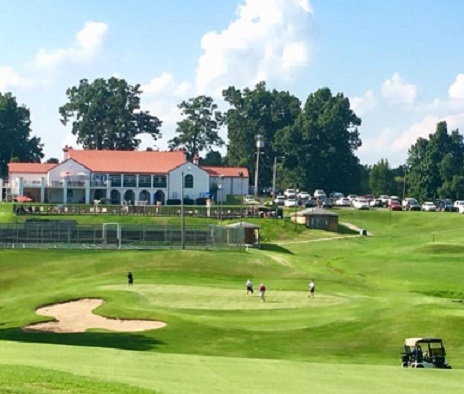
column 429, row 206
column 309, row 203
column 326, row 202
column 395, row 205
column 342, row 202
column 290, row 193
column 444, row 205
column 459, row 206
column 352, row 197
column 303, row 195
column 279, row 199
column 319, row 193
column 336, row 196
column 369, row 197
column 376, row 203
column 411, row 204
column 360, row 203
column 291, row 202
column 249, row 199
column 384, row 198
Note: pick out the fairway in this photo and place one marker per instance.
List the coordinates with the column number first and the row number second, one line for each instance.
column 371, row 293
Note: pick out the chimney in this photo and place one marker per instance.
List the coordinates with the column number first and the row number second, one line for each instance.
column 196, row 159
column 66, row 150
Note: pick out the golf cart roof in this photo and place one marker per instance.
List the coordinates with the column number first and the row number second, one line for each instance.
column 415, row 341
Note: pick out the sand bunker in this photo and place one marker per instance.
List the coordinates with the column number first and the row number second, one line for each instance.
column 77, row 316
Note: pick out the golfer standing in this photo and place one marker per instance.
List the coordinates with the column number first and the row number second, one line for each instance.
column 262, row 292
column 312, row 288
column 130, row 279
column 249, row 287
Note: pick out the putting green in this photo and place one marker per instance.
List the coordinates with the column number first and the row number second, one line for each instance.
column 216, row 298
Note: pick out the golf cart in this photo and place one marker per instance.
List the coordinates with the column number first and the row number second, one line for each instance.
column 424, row 353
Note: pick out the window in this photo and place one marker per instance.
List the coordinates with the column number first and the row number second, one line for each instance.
column 144, row 180
column 115, row 180
column 129, row 180
column 159, row 181
column 188, row 181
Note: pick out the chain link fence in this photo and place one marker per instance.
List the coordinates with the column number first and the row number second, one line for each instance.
column 69, row 234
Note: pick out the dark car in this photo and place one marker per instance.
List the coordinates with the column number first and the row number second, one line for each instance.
column 309, row 203
column 444, row 204
column 327, row 203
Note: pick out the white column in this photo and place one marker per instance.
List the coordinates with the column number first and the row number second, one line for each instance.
column 65, row 191
column 87, row 191
column 1, row 189
column 42, row 190
column 20, row 186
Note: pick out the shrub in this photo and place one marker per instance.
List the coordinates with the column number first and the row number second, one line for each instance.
column 173, row 201
column 201, row 201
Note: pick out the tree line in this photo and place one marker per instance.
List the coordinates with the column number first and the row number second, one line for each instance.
column 311, row 144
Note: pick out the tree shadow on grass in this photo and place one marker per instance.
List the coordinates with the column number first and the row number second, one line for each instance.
column 275, row 248
column 123, row 341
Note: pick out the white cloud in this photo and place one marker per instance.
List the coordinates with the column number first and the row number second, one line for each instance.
column 456, row 90
column 367, row 102
column 398, row 91
column 87, row 43
column 9, row 78
column 378, row 145
column 268, row 40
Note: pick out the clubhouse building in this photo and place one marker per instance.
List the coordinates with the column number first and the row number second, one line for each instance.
column 122, row 177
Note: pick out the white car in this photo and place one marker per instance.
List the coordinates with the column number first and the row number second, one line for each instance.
column 279, row 199
column 360, row 203
column 429, row 206
column 352, row 197
column 291, row 202
column 304, row 195
column 343, row 202
column 319, row 193
column 459, row 206
column 384, row 198
column 290, row 193
column 250, row 200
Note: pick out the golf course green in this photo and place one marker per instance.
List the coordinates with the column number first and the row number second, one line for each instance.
column 372, row 292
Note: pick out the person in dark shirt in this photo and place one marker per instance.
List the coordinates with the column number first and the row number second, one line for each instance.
column 130, row 279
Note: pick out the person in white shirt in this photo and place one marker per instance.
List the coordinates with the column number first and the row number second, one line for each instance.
column 312, row 288
column 249, row 287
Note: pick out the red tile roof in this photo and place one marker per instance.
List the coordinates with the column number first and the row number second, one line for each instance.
column 30, row 168
column 230, row 172
column 127, row 162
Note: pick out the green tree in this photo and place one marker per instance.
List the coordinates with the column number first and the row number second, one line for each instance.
column 199, row 130
column 381, row 179
column 319, row 147
column 437, row 165
column 106, row 115
column 212, row 158
column 255, row 112
column 52, row 160
column 15, row 130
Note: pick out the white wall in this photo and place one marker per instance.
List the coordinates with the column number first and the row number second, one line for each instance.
column 69, row 166
column 231, row 186
column 200, row 182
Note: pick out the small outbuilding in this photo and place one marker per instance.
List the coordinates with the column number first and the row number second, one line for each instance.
column 316, row 218
column 251, row 236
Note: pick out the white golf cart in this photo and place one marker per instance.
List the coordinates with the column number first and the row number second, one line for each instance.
column 424, row 353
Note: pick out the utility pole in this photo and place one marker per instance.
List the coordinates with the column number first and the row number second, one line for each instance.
column 259, row 145
column 274, row 176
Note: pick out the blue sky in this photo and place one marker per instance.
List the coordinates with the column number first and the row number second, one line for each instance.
column 401, row 62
